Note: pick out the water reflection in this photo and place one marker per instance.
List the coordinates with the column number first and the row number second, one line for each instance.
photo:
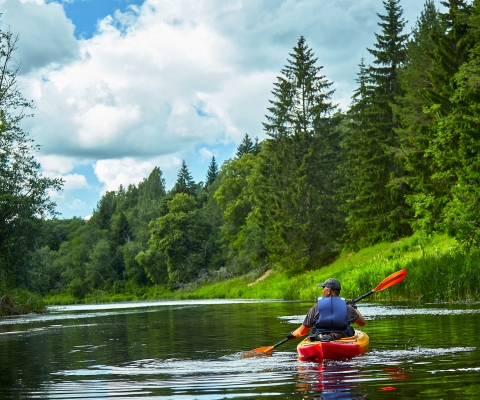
column 190, row 350
column 337, row 381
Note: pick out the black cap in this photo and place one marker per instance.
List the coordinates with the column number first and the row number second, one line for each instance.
column 331, row 283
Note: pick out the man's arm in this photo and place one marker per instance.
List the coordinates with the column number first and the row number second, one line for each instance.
column 308, row 322
column 355, row 316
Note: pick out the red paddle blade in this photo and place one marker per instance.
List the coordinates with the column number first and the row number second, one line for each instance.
column 391, row 280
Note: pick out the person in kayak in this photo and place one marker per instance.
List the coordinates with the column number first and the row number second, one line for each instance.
column 331, row 316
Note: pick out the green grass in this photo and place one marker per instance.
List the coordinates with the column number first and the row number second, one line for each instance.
column 437, row 271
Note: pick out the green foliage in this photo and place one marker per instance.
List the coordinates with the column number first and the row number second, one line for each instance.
column 374, row 190
column 24, row 200
column 212, row 172
column 185, row 183
column 293, row 185
column 20, row 301
column 272, row 220
column 153, row 187
column 247, row 146
column 426, row 196
column 181, row 235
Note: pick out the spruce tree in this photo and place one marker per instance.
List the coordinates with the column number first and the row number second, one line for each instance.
column 374, row 194
column 185, row 183
column 415, row 130
column 458, row 144
column 212, row 172
column 246, row 147
column 293, row 180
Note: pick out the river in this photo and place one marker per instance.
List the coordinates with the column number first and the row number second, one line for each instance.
column 193, row 350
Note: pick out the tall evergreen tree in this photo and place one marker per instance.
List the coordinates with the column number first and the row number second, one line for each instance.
column 375, row 204
column 105, row 209
column 293, row 180
column 458, row 144
column 246, row 147
column 185, row 183
column 427, row 195
column 212, row 172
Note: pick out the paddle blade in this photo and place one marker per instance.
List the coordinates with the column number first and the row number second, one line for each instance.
column 391, row 280
column 261, row 351
column 266, row 349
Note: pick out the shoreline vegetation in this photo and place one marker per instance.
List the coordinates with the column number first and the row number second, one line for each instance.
column 438, row 270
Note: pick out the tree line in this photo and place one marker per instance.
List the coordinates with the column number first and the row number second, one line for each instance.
column 403, row 158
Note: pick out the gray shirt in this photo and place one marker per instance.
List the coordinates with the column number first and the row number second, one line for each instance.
column 312, row 316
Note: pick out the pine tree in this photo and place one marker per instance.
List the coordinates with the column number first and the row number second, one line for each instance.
column 185, row 183
column 212, row 172
column 293, row 180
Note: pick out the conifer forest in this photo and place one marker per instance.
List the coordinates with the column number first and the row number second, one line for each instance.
column 404, row 158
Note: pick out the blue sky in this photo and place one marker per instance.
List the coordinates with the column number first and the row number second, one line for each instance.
column 85, row 14
column 122, row 86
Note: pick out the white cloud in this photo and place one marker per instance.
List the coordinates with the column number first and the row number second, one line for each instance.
column 76, row 204
column 45, row 34
column 158, row 82
column 74, row 181
column 56, row 165
column 125, row 171
column 205, row 154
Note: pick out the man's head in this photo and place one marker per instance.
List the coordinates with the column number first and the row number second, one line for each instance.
column 331, row 286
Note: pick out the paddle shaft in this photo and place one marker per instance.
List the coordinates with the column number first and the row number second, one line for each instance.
column 389, row 281
column 281, row 342
column 361, row 297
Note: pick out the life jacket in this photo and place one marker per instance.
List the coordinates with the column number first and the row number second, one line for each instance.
column 332, row 314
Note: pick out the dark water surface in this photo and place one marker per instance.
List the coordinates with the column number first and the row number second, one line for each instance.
column 191, row 350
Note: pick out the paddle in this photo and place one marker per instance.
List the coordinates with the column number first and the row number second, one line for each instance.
column 389, row 281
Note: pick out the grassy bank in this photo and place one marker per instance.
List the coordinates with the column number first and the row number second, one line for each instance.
column 19, row 302
column 437, row 271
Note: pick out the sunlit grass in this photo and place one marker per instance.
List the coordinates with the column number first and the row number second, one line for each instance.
column 437, row 271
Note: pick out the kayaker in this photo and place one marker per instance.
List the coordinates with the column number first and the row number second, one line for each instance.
column 331, row 316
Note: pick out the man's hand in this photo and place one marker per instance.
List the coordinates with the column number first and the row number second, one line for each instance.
column 352, row 304
column 291, row 336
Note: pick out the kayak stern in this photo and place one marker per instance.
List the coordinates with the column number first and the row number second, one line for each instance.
column 336, row 349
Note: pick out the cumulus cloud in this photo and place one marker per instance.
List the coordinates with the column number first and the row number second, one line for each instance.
column 169, row 77
column 45, row 34
column 125, row 171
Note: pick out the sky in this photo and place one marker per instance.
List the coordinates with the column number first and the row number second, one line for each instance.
column 123, row 86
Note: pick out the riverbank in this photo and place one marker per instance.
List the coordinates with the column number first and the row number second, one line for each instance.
column 20, row 302
column 437, row 271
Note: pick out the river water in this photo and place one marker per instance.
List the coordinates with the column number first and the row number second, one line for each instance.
column 194, row 350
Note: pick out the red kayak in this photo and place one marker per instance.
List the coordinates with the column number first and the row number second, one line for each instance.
column 335, row 349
